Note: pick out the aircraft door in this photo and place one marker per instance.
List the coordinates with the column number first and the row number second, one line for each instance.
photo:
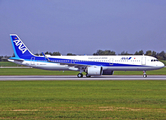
column 143, row 61
column 33, row 61
column 111, row 61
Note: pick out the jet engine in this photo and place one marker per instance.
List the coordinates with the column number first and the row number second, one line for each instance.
column 97, row 71
column 94, row 70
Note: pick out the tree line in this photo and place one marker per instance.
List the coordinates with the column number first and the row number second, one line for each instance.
column 161, row 55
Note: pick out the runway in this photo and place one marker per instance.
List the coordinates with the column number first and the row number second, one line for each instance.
column 72, row 77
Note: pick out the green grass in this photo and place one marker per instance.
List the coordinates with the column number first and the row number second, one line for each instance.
column 153, row 72
column 83, row 100
column 8, row 64
column 32, row 71
column 163, row 61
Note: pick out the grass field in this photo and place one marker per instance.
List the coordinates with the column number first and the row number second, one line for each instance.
column 117, row 100
column 83, row 100
column 163, row 61
column 32, row 71
column 8, row 64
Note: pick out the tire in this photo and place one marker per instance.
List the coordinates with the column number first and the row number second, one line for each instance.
column 88, row 75
column 79, row 75
column 145, row 76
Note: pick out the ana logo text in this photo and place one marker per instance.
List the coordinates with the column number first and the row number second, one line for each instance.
column 126, row 58
column 20, row 45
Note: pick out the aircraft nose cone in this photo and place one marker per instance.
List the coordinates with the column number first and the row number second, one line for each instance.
column 161, row 65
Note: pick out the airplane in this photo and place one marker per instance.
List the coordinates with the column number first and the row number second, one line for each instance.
column 91, row 65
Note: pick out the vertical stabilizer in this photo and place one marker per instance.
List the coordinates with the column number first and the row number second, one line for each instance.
column 20, row 50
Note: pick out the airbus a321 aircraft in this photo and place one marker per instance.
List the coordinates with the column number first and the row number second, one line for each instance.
column 91, row 65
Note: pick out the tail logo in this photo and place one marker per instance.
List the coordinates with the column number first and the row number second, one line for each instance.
column 21, row 46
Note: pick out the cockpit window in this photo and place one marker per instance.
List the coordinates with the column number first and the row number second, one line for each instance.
column 153, row 60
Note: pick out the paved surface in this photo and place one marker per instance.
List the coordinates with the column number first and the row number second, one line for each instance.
column 15, row 67
column 113, row 77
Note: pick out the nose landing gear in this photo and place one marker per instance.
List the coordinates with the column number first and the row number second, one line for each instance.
column 144, row 74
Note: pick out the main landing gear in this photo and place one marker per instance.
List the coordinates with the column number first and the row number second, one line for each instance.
column 144, row 75
column 87, row 75
column 79, row 75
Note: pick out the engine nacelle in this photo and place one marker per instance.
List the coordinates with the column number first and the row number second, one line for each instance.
column 108, row 72
column 94, row 70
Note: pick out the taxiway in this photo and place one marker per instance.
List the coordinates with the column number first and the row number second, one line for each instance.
column 71, row 77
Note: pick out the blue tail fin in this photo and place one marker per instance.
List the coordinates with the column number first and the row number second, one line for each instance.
column 20, row 50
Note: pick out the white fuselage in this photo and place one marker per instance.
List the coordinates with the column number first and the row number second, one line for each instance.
column 115, row 63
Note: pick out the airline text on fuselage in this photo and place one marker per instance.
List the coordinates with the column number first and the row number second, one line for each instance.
column 126, row 58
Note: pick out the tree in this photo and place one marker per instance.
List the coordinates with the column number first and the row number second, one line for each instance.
column 149, row 53
column 136, row 53
column 13, row 55
column 41, row 54
column 125, row 53
column 48, row 53
column 1, row 58
column 70, row 54
column 161, row 55
column 154, row 54
column 139, row 53
column 106, row 52
column 37, row 54
column 56, row 54
column 5, row 58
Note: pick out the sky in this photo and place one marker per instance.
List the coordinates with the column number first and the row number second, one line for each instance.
column 84, row 26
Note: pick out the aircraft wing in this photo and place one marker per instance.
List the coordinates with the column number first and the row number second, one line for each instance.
column 73, row 65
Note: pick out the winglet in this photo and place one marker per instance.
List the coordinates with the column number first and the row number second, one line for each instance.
column 46, row 58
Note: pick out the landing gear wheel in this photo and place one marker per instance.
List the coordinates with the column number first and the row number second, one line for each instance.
column 79, row 75
column 145, row 76
column 87, row 75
